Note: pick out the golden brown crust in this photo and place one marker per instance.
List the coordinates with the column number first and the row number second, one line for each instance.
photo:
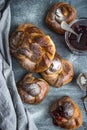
column 32, row 90
column 68, row 12
column 70, row 116
column 33, row 49
column 59, row 73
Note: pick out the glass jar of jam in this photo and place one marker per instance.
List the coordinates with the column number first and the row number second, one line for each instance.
column 77, row 44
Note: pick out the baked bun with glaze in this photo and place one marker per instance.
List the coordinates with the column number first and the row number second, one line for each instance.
column 32, row 90
column 61, row 11
column 66, row 113
column 33, row 49
column 59, row 73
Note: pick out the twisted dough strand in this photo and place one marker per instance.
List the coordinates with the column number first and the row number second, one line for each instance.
column 33, row 49
column 62, row 75
column 32, row 90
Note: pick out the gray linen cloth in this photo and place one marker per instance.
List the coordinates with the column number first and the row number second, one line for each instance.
column 13, row 116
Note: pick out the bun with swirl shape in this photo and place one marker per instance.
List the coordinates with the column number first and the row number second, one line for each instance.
column 66, row 113
column 59, row 73
column 60, row 12
column 32, row 90
column 33, row 49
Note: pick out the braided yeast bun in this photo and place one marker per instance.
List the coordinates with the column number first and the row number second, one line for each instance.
column 33, row 49
column 59, row 73
column 60, row 12
column 66, row 113
column 32, row 90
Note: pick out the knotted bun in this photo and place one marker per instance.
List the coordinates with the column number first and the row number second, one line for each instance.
column 33, row 49
column 54, row 16
column 59, row 73
column 66, row 113
column 32, row 90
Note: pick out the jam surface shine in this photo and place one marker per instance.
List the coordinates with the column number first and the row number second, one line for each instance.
column 81, row 43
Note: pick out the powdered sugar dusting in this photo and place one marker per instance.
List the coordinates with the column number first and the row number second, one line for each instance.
column 55, row 66
column 34, row 89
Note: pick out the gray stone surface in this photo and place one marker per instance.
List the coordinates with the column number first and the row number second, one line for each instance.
column 34, row 11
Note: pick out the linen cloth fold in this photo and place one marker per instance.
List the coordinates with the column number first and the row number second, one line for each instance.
column 13, row 116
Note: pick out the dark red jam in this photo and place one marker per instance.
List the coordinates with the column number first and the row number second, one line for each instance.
column 56, row 117
column 80, row 42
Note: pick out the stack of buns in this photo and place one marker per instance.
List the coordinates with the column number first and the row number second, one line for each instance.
column 36, row 52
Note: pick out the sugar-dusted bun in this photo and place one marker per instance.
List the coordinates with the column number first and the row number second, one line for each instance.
column 54, row 17
column 33, row 49
column 59, row 73
column 32, row 90
column 66, row 113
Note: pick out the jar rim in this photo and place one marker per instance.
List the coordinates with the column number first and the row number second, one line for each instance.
column 76, row 51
